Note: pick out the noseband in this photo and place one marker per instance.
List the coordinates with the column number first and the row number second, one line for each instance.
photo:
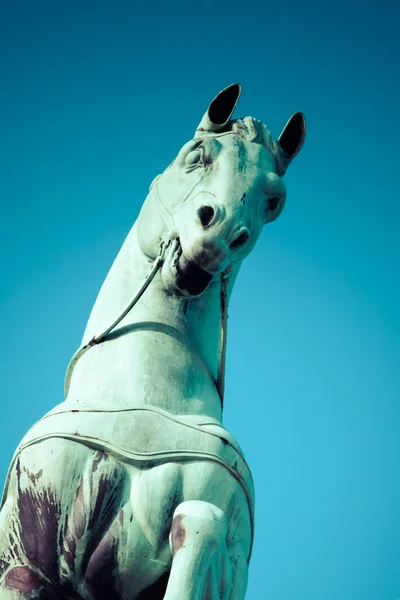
column 157, row 264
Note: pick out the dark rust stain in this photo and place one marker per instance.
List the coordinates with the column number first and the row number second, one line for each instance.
column 97, row 460
column 110, row 488
column 101, row 502
column 4, row 564
column 13, row 537
column 39, row 514
column 79, row 512
column 61, row 535
column 107, row 492
column 34, row 477
column 173, row 503
column 178, row 534
column 22, row 579
column 74, row 528
column 101, row 571
column 69, row 550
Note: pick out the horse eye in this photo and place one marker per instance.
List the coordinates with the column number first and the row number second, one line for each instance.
column 273, row 204
column 193, row 158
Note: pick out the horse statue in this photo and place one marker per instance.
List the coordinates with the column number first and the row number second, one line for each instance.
column 132, row 489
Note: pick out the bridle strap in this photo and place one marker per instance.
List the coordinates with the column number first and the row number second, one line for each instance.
column 97, row 339
column 223, row 333
column 157, row 264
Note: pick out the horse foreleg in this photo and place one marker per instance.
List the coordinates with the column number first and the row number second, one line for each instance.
column 201, row 567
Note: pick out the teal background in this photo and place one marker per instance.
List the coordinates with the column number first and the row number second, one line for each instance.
column 96, row 99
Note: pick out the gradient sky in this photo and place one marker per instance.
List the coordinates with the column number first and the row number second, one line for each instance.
column 96, row 99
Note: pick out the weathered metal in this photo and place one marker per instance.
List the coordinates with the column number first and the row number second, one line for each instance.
column 132, row 488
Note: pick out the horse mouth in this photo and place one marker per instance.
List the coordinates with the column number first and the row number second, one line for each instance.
column 183, row 276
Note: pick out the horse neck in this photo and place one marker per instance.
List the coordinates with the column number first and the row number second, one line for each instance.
column 165, row 351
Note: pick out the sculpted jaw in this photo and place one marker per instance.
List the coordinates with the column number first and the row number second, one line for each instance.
column 182, row 276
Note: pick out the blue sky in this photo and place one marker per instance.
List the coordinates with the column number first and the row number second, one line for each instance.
column 97, row 98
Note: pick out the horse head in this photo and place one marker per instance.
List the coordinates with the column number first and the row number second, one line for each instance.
column 209, row 206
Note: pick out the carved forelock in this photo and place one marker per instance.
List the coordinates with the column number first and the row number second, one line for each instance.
column 255, row 131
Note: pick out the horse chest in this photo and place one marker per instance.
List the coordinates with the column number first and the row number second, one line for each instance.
column 141, row 515
column 134, row 551
column 112, row 509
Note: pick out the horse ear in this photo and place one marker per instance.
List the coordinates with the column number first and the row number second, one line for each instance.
column 292, row 137
column 220, row 110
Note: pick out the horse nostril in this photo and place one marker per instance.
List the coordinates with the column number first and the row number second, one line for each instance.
column 206, row 215
column 241, row 240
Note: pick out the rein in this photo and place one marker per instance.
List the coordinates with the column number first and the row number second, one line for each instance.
column 157, row 264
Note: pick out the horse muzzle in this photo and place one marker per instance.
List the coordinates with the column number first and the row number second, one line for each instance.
column 182, row 276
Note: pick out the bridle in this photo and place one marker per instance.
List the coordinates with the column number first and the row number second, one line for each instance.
column 157, row 264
